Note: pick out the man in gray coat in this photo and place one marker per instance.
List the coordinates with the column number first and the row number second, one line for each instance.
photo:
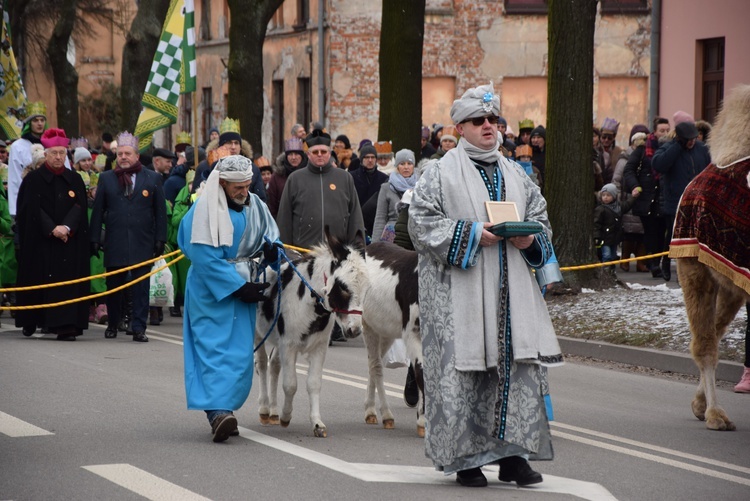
column 130, row 204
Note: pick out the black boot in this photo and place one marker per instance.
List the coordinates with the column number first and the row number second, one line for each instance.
column 666, row 268
column 516, row 469
column 472, row 477
column 127, row 311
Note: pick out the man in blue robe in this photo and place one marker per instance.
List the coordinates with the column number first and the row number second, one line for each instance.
column 221, row 234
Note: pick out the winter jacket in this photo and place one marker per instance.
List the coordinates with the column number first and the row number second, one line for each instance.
column 631, row 223
column 281, row 171
column 638, row 173
column 608, row 223
column 387, row 213
column 678, row 166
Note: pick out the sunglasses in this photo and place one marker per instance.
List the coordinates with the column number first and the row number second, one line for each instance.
column 478, row 121
column 608, row 136
column 318, row 152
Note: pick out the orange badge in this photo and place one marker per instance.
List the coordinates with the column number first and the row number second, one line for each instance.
column 144, row 193
column 332, row 187
column 72, row 194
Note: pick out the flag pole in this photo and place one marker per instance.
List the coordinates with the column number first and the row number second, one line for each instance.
column 195, row 130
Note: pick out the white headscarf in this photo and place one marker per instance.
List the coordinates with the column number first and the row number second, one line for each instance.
column 477, row 102
column 211, row 222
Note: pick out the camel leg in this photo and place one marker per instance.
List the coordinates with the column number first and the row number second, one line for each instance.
column 728, row 303
column 699, row 292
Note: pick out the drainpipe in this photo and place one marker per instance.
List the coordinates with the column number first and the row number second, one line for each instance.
column 321, row 63
column 653, row 91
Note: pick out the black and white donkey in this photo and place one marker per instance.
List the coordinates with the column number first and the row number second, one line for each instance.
column 337, row 272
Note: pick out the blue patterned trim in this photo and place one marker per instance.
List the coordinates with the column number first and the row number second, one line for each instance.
column 507, row 362
column 474, row 236
column 461, row 244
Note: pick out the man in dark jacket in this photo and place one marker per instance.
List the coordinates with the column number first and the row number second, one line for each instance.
column 678, row 162
column 367, row 181
column 130, row 202
column 53, row 233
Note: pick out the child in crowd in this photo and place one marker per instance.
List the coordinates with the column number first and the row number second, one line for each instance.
column 608, row 220
column 523, row 158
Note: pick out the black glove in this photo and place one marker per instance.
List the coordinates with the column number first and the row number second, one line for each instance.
column 95, row 247
column 271, row 252
column 251, row 292
column 158, row 249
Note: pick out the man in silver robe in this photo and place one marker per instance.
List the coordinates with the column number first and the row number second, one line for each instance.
column 487, row 337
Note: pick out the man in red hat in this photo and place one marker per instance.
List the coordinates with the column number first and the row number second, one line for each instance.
column 53, row 231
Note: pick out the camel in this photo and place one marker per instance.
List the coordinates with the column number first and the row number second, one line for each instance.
column 710, row 241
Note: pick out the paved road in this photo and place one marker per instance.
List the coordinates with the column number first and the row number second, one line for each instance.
column 106, row 419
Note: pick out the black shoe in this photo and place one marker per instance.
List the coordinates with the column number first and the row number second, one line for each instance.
column 63, row 337
column 666, row 269
column 411, row 390
column 140, row 337
column 153, row 316
column 174, row 311
column 471, row 478
column 29, row 330
column 516, row 469
column 160, row 311
column 111, row 332
column 656, row 272
column 223, row 426
column 124, row 325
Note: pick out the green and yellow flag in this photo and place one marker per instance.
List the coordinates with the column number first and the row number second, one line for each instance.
column 12, row 94
column 172, row 72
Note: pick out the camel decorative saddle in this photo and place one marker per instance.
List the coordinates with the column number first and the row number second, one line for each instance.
column 713, row 221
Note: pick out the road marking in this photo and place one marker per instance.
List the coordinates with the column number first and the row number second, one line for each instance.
column 14, row 427
column 655, row 448
column 143, row 483
column 654, row 458
column 402, row 474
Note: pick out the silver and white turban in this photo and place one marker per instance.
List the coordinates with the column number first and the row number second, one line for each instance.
column 477, row 102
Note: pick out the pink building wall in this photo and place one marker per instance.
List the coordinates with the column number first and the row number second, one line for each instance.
column 684, row 23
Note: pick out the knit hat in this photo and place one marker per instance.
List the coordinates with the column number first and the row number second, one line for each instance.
column 477, row 102
column 213, row 129
column 294, row 145
column 539, row 130
column 368, row 150
column 686, row 130
column 81, row 154
column 190, row 152
column 682, row 116
column 345, row 140
column 610, row 188
column 636, row 129
column 525, row 124
column 363, row 143
column 502, row 121
column 610, row 124
column 54, row 137
column 425, row 132
column 404, row 156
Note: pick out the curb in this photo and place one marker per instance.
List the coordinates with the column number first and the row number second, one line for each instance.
column 667, row 361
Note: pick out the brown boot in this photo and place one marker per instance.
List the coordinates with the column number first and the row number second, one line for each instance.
column 640, row 251
column 627, row 249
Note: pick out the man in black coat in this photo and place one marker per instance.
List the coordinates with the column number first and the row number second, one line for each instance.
column 130, row 203
column 53, row 233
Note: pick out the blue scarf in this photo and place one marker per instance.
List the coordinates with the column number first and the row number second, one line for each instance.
column 400, row 184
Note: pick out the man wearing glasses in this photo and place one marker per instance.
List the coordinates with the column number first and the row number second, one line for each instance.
column 317, row 196
column 486, row 334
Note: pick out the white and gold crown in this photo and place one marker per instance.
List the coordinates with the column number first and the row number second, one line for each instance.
column 127, row 139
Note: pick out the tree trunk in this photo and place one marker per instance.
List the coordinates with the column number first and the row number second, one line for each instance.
column 245, row 68
column 401, row 40
column 137, row 56
column 569, row 181
column 64, row 74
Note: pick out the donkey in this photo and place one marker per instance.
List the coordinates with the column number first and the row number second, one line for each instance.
column 711, row 238
column 305, row 321
column 390, row 310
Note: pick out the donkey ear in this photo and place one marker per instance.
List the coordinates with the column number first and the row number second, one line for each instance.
column 338, row 250
column 359, row 242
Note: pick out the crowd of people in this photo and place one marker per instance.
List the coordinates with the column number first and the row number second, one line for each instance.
column 71, row 212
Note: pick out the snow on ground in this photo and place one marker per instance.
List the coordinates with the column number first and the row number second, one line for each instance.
column 641, row 315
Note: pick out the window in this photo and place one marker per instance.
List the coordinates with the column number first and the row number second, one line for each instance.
column 624, row 6
column 712, row 78
column 205, row 27
column 208, row 111
column 304, row 101
column 277, row 21
column 525, row 6
column 278, row 116
column 303, row 13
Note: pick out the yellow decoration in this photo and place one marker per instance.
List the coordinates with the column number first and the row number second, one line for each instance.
column 184, row 138
column 36, row 108
column 229, row 125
